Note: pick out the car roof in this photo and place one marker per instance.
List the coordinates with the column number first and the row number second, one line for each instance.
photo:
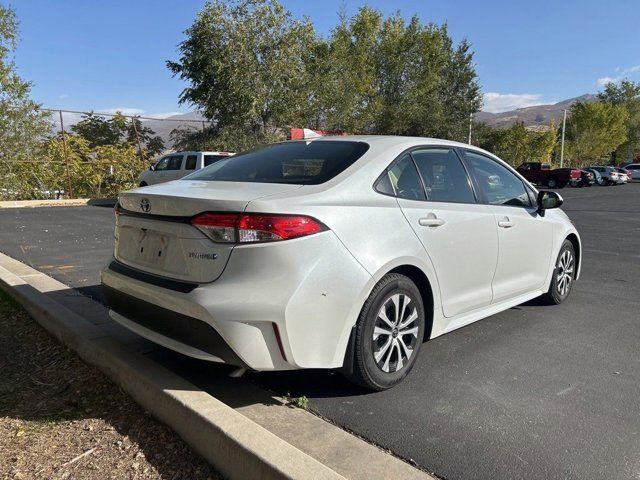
column 388, row 141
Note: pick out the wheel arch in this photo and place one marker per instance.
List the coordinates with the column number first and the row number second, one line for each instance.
column 577, row 249
column 417, row 276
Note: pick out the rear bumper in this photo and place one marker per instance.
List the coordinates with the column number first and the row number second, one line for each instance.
column 311, row 289
column 157, row 323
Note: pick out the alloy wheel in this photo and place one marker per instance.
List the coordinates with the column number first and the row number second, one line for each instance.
column 564, row 273
column 395, row 333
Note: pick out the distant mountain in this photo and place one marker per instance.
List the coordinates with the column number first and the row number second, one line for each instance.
column 539, row 115
column 163, row 127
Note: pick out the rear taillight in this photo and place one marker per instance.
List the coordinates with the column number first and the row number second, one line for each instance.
column 255, row 227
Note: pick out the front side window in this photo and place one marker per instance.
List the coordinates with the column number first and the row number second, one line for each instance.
column 498, row 185
column 300, row 163
column 444, row 177
column 175, row 162
column 405, row 179
column 162, row 164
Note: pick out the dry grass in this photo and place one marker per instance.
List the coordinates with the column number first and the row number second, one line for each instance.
column 62, row 419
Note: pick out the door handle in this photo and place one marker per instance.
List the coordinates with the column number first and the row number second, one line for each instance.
column 505, row 223
column 431, row 221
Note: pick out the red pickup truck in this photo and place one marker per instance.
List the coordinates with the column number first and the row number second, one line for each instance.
column 543, row 174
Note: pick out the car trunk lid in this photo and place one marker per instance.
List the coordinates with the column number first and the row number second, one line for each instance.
column 154, row 233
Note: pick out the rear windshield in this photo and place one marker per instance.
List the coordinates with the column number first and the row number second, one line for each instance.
column 302, row 163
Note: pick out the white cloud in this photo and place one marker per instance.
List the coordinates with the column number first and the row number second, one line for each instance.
column 502, row 102
column 62, row 96
column 122, row 110
column 623, row 73
column 602, row 81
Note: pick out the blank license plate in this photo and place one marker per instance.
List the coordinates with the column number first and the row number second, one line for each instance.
column 152, row 248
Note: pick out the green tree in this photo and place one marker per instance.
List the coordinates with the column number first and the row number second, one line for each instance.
column 99, row 131
column 254, row 71
column 594, row 130
column 22, row 124
column 517, row 144
column 626, row 94
column 245, row 64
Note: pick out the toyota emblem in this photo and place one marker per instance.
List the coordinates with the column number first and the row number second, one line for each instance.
column 145, row 205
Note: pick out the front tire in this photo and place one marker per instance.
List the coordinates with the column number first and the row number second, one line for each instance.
column 552, row 182
column 389, row 333
column 563, row 275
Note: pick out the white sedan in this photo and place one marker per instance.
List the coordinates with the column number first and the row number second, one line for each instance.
column 345, row 252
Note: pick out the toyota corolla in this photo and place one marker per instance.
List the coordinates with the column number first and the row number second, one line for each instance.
column 340, row 253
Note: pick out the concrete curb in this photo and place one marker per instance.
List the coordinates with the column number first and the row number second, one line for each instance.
column 238, row 447
column 72, row 202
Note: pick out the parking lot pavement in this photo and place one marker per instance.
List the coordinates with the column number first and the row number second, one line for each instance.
column 533, row 392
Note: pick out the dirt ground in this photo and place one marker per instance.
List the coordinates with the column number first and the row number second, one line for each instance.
column 62, row 419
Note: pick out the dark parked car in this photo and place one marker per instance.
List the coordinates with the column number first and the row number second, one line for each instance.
column 599, row 179
column 587, row 179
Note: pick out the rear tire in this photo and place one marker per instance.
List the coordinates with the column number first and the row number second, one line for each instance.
column 563, row 275
column 389, row 333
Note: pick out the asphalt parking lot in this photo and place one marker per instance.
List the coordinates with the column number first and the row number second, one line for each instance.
column 533, row 392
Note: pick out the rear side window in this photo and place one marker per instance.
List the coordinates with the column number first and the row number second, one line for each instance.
column 190, row 164
column 499, row 185
column 300, row 163
column 444, row 177
column 175, row 162
column 211, row 159
column 405, row 179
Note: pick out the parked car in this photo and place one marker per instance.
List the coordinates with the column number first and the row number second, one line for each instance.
column 339, row 252
column 609, row 175
column 543, row 174
column 634, row 171
column 179, row 164
column 587, row 179
column 599, row 179
column 623, row 174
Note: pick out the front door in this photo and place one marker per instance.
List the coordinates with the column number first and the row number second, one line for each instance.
column 525, row 238
column 458, row 234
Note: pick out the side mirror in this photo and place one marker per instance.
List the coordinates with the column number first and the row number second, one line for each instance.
column 152, row 167
column 548, row 200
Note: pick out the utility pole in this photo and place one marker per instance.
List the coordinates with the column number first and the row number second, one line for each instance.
column 564, row 123
column 470, row 124
column 66, row 155
column 135, row 129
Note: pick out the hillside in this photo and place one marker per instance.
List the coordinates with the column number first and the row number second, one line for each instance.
column 163, row 127
column 536, row 115
column 539, row 115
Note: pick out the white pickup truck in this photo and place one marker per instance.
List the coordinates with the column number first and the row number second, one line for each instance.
column 177, row 165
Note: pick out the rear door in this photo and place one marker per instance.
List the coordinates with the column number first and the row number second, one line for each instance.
column 458, row 234
column 525, row 238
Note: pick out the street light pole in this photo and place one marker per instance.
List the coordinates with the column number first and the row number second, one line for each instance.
column 564, row 123
column 470, row 123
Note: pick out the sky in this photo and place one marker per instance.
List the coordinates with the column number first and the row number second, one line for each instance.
column 108, row 56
